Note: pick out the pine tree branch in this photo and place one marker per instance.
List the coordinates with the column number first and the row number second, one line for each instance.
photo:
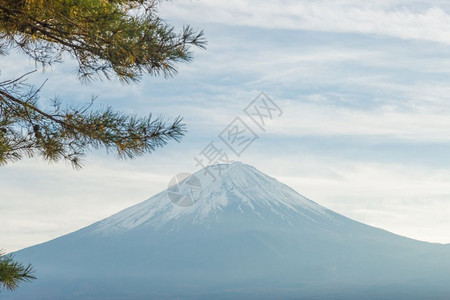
column 67, row 134
column 28, row 105
column 134, row 43
column 125, row 38
column 12, row 273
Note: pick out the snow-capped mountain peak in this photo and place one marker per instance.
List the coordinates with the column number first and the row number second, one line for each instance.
column 233, row 189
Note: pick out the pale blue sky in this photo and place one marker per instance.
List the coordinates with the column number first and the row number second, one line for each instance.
column 366, row 126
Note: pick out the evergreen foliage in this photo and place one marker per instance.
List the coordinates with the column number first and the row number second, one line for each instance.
column 12, row 273
column 108, row 38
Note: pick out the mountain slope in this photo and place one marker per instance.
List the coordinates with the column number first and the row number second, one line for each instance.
column 246, row 236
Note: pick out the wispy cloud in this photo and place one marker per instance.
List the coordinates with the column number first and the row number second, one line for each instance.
column 304, row 119
column 396, row 20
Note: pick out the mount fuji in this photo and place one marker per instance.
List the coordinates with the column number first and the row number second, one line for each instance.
column 245, row 236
